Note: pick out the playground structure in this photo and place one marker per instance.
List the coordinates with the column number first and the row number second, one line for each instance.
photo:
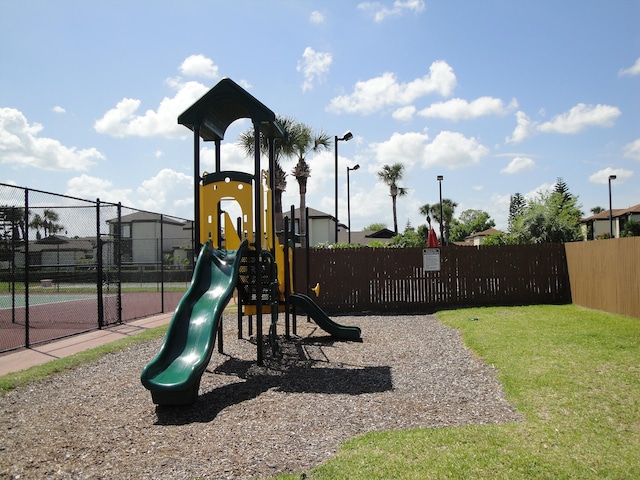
column 245, row 256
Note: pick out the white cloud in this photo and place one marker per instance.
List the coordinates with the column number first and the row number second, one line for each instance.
column 317, row 17
column 385, row 91
column 453, row 150
column 519, row 165
column 381, row 12
column 632, row 150
column 199, row 66
column 575, row 120
column 21, row 145
column 602, row 176
column 631, row 71
column 544, row 189
column 58, row 109
column 232, row 157
column 498, row 210
column 86, row 186
column 314, row 67
column 405, row 148
column 448, row 149
column 404, row 114
column 460, row 109
column 166, row 191
column 123, row 120
column 580, row 117
column 524, row 128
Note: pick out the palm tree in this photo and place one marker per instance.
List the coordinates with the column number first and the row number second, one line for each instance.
column 49, row 222
column 391, row 175
column 35, row 224
column 448, row 209
column 283, row 147
column 304, row 140
column 15, row 217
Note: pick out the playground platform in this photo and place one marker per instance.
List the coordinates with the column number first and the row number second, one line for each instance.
column 39, row 354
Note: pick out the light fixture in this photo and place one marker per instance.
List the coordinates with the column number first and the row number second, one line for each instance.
column 611, row 177
column 355, row 167
column 345, row 138
column 440, row 178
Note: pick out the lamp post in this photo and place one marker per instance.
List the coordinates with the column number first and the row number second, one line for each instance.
column 355, row 167
column 440, row 178
column 345, row 138
column 611, row 177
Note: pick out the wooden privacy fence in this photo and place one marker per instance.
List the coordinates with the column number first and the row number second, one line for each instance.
column 393, row 280
column 605, row 274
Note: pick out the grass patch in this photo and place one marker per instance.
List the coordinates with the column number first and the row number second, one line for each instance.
column 572, row 372
column 39, row 372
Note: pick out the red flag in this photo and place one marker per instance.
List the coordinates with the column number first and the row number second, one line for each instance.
column 432, row 239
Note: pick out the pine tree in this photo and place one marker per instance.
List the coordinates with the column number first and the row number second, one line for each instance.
column 516, row 208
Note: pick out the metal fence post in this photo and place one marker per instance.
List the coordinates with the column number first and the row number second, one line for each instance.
column 118, row 250
column 26, row 267
column 99, row 271
column 162, row 263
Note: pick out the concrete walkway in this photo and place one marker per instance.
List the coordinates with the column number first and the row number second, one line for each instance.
column 30, row 357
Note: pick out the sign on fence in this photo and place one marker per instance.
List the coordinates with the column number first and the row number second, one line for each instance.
column 431, row 259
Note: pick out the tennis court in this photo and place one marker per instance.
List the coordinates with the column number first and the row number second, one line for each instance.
column 7, row 301
column 54, row 315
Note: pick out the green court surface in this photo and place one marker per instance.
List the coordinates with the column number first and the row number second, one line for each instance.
column 18, row 301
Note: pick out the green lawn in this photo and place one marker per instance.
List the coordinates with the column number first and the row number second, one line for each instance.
column 573, row 373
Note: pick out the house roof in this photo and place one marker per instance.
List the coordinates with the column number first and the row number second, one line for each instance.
column 615, row 213
column 313, row 213
column 225, row 103
column 364, row 237
column 484, row 233
column 62, row 243
column 382, row 233
column 146, row 217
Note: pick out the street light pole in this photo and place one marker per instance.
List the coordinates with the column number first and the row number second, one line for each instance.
column 345, row 138
column 355, row 167
column 440, row 178
column 611, row 177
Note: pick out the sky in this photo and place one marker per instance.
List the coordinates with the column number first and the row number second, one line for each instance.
column 499, row 97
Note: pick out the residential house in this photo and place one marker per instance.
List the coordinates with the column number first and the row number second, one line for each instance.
column 58, row 251
column 141, row 234
column 322, row 229
column 365, row 237
column 322, row 226
column 598, row 226
column 477, row 239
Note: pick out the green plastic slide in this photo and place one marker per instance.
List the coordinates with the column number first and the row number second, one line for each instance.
column 322, row 319
column 173, row 376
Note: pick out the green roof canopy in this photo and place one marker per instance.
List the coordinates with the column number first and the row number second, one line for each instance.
column 224, row 104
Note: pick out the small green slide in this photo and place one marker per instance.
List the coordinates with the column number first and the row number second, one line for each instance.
column 173, row 376
column 322, row 319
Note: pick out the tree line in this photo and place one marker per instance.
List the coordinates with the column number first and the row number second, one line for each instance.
column 12, row 223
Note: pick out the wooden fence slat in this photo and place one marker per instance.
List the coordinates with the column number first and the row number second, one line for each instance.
column 605, row 274
column 392, row 280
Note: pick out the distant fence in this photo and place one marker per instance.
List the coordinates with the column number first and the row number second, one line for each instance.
column 605, row 274
column 69, row 265
column 393, row 280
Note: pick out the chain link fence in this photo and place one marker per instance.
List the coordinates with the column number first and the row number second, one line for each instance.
column 69, row 265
